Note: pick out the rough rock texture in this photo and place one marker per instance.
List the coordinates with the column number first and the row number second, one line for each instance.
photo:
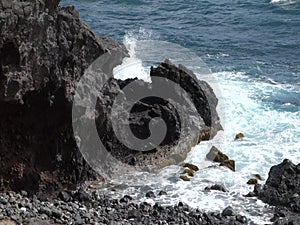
column 103, row 210
column 201, row 94
column 44, row 50
column 184, row 125
column 216, row 155
column 282, row 187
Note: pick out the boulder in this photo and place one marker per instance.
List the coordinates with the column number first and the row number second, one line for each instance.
column 186, row 116
column 150, row 194
column 228, row 211
column 216, row 155
column 239, row 136
column 252, row 181
column 283, row 186
column 200, row 93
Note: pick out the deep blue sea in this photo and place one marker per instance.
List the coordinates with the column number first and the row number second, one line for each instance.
column 252, row 49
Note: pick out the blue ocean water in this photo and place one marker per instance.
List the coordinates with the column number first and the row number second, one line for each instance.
column 253, row 51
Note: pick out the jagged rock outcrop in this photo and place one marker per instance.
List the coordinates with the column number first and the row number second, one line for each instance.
column 170, row 88
column 282, row 187
column 44, row 50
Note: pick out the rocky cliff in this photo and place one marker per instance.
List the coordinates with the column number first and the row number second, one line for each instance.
column 44, row 51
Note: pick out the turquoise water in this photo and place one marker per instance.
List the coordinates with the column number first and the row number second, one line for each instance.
column 252, row 49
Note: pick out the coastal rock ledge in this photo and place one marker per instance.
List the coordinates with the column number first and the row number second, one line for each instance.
column 44, row 51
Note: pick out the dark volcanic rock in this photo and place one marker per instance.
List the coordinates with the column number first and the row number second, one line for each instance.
column 44, row 50
column 186, row 105
column 199, row 92
column 228, row 211
column 150, row 194
column 104, row 210
column 282, row 187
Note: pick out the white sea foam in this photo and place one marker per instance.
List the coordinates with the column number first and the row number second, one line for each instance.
column 271, row 136
column 132, row 66
column 283, row 2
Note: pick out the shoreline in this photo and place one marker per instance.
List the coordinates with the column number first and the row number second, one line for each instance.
column 45, row 156
column 82, row 208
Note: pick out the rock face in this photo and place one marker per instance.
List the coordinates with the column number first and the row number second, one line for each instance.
column 44, row 50
column 179, row 87
column 282, row 187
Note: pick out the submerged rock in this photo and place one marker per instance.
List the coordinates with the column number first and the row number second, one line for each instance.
column 228, row 211
column 216, row 155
